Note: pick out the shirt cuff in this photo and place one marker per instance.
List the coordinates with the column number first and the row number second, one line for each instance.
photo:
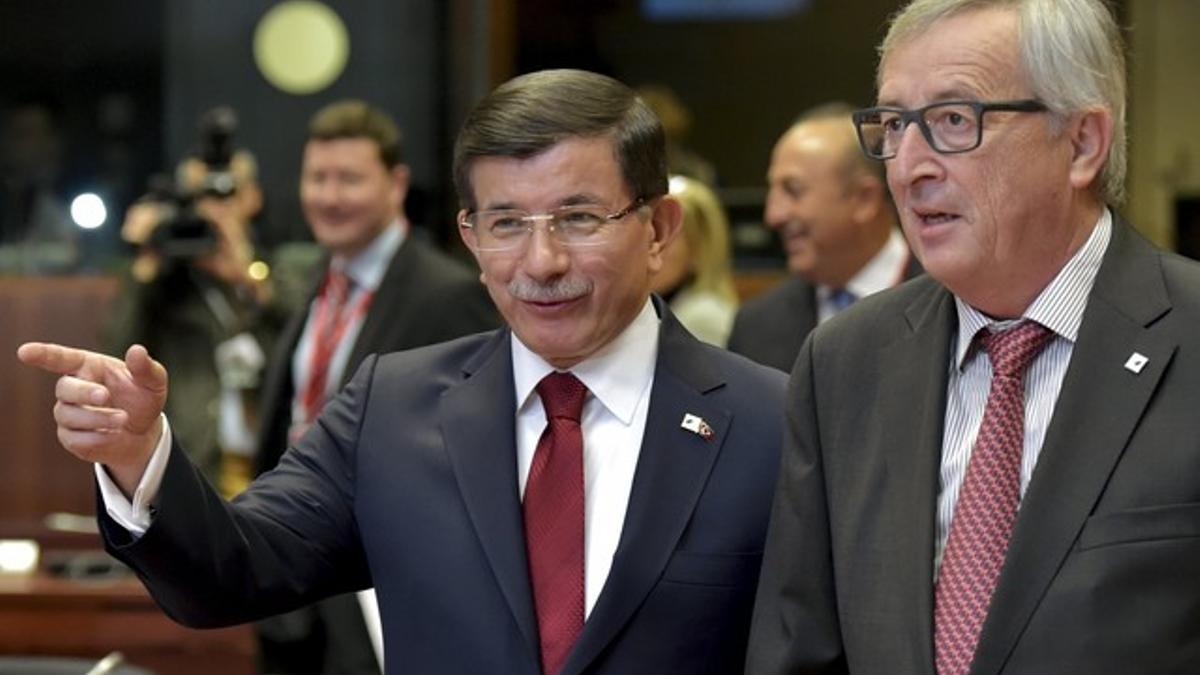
column 135, row 516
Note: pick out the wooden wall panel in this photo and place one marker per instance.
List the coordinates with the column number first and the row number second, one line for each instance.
column 38, row 476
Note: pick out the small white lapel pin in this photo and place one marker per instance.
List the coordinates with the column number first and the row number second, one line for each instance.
column 697, row 425
column 1136, row 362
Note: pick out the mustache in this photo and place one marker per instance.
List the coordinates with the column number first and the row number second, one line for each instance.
column 557, row 290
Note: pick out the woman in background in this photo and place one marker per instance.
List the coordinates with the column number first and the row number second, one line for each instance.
column 696, row 279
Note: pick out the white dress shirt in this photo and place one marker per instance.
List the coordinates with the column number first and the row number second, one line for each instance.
column 618, row 379
column 1058, row 307
column 880, row 273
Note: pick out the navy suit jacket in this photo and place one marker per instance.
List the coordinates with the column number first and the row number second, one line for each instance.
column 424, row 297
column 409, row 481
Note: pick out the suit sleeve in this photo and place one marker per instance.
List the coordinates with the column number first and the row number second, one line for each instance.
column 795, row 625
column 290, row 539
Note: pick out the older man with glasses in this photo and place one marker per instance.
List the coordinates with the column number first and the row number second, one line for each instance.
column 584, row 491
column 996, row 469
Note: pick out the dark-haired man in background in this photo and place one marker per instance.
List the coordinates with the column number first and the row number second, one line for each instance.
column 382, row 288
column 191, row 296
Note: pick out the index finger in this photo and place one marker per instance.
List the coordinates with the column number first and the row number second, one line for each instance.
column 54, row 358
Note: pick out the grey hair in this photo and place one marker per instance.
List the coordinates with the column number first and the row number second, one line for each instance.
column 1071, row 51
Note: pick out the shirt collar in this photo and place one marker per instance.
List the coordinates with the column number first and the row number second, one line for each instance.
column 366, row 269
column 880, row 273
column 1059, row 306
column 618, row 375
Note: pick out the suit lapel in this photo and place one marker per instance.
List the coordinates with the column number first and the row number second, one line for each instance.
column 394, row 292
column 480, row 442
column 294, row 329
column 914, row 426
column 278, row 386
column 672, row 470
column 280, row 377
column 1099, row 406
column 800, row 321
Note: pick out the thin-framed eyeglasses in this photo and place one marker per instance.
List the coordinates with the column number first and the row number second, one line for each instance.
column 576, row 225
column 948, row 126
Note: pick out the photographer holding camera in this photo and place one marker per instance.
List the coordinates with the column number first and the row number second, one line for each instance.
column 197, row 297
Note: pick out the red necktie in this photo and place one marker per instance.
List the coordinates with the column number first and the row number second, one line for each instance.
column 330, row 318
column 987, row 504
column 554, row 520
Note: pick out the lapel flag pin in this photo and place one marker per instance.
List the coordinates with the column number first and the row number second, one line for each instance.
column 1136, row 362
column 697, row 425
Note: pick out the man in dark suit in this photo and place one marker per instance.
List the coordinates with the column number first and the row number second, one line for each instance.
column 995, row 469
column 403, row 293
column 831, row 208
column 352, row 188
column 621, row 535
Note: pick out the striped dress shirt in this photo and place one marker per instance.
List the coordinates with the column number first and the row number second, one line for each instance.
column 1060, row 308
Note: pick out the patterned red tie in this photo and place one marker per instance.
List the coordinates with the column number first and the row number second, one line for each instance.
column 987, row 503
column 554, row 520
column 329, row 322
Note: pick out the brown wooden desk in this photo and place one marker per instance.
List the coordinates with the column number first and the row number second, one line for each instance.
column 45, row 615
column 48, row 615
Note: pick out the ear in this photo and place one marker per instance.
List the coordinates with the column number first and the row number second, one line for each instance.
column 467, row 240
column 665, row 223
column 1091, row 134
column 401, row 175
column 867, row 196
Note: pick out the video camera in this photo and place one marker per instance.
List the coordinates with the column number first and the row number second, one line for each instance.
column 183, row 233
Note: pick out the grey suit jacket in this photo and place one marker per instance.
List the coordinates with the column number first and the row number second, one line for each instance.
column 409, row 480
column 1102, row 571
column 771, row 327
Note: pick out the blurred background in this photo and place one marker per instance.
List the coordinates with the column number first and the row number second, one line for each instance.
column 99, row 97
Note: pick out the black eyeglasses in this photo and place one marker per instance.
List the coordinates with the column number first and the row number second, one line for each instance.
column 948, row 126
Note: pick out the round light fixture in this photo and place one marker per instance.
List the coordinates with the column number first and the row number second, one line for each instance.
column 88, row 211
column 301, row 46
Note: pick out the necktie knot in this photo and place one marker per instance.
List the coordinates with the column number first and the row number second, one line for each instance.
column 337, row 286
column 562, row 396
column 841, row 298
column 1011, row 351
